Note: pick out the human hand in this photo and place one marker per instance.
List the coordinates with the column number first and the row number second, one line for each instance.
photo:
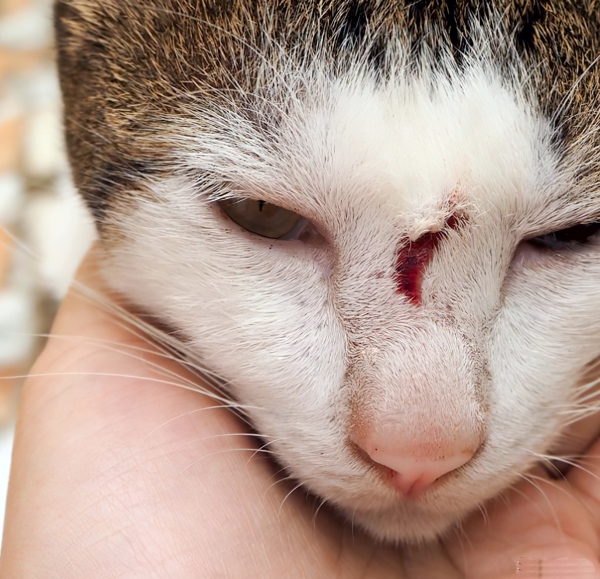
column 118, row 472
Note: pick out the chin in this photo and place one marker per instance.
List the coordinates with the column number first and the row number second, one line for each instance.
column 392, row 519
column 404, row 525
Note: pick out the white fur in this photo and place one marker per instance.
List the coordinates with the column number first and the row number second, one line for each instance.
column 303, row 330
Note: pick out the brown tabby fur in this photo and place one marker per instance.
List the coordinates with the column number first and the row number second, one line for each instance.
column 125, row 65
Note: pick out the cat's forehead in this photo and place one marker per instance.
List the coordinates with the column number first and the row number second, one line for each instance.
column 418, row 139
column 408, row 146
column 133, row 70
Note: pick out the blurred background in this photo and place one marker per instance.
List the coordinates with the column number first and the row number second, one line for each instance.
column 44, row 230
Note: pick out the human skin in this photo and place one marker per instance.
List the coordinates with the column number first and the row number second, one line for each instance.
column 119, row 473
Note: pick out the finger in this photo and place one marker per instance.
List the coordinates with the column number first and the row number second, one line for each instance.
column 542, row 526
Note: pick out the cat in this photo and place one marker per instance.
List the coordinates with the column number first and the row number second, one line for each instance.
column 377, row 221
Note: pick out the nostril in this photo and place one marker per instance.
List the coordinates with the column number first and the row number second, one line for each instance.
column 414, row 472
column 413, row 475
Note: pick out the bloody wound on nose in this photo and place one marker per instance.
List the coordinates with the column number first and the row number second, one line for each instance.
column 413, row 257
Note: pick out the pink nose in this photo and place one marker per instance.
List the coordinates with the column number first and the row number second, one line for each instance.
column 413, row 472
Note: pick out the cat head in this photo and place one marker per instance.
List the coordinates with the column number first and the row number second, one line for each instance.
column 376, row 221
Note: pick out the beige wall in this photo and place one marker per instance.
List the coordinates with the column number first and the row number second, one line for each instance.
column 43, row 228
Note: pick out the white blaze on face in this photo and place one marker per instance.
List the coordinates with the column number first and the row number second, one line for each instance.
column 322, row 339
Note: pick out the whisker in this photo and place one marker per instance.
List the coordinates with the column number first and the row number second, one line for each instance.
column 103, row 374
column 463, row 537
column 352, row 523
column 278, row 481
column 483, row 510
column 314, row 518
column 287, row 496
column 224, row 402
column 531, row 478
column 22, row 246
column 525, row 477
column 171, row 347
column 194, row 411
column 567, row 460
column 167, row 343
column 261, row 449
column 586, row 387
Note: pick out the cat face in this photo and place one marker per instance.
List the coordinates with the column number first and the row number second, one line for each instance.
column 345, row 215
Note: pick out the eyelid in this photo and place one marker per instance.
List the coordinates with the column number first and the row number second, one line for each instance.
column 262, row 218
column 559, row 227
column 577, row 235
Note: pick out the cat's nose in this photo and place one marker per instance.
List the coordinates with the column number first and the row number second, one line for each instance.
column 414, row 469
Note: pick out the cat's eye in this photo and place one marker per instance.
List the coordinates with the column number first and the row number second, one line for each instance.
column 571, row 237
column 263, row 218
